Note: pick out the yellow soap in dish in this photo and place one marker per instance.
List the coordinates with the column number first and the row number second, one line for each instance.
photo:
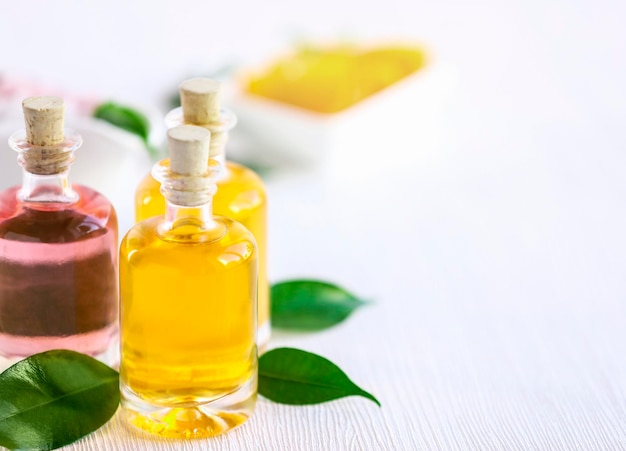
column 329, row 80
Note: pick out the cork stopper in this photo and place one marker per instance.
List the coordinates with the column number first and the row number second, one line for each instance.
column 43, row 117
column 200, row 99
column 187, row 179
column 188, row 149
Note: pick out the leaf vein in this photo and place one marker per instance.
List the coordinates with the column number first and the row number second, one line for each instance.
column 91, row 387
column 301, row 381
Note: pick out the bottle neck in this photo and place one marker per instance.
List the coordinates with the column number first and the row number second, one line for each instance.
column 217, row 152
column 189, row 203
column 217, row 149
column 185, row 224
column 201, row 215
column 45, row 169
column 47, row 189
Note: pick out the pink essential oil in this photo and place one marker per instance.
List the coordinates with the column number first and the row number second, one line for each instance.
column 58, row 249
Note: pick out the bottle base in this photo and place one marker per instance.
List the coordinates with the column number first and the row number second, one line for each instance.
column 102, row 345
column 191, row 419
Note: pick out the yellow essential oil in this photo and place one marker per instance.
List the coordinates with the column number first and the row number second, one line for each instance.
column 188, row 307
column 240, row 194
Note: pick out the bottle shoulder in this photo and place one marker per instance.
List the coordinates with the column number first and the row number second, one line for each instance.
column 91, row 215
column 90, row 198
column 241, row 175
column 86, row 197
column 223, row 234
column 236, row 230
column 240, row 194
column 147, row 183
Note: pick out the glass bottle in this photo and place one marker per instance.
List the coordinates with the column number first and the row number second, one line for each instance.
column 58, row 265
column 241, row 193
column 188, row 305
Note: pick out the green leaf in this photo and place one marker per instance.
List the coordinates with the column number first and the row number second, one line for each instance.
column 124, row 117
column 54, row 398
column 293, row 376
column 128, row 119
column 310, row 305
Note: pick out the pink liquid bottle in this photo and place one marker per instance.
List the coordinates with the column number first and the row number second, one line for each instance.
column 58, row 248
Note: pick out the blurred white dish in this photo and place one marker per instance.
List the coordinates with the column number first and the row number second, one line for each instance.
column 110, row 160
column 391, row 128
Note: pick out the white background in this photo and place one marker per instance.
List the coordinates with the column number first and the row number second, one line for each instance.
column 496, row 262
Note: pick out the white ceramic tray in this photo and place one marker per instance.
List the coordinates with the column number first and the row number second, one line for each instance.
column 392, row 127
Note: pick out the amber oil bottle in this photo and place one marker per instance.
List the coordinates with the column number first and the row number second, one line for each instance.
column 188, row 304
